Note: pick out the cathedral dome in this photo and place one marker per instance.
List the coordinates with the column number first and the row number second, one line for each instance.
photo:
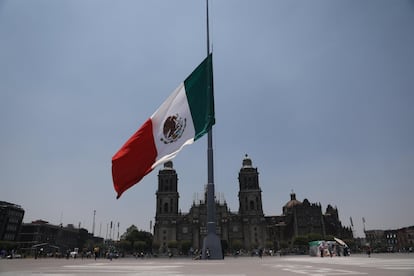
column 292, row 202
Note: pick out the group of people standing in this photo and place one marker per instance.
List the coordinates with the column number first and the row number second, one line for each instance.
column 333, row 250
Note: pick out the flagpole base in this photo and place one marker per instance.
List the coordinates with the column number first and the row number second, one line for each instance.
column 212, row 247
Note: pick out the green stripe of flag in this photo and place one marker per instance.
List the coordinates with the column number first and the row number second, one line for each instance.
column 200, row 97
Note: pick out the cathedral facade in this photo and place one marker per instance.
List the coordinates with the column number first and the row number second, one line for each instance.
column 248, row 228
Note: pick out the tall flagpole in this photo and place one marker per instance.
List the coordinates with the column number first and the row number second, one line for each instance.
column 211, row 244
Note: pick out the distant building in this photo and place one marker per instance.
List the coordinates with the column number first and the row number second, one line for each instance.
column 248, row 228
column 375, row 238
column 391, row 240
column 40, row 233
column 405, row 238
column 11, row 217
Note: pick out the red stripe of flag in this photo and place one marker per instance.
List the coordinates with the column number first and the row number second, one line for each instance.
column 134, row 160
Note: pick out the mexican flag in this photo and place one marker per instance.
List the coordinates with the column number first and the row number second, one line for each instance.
column 186, row 115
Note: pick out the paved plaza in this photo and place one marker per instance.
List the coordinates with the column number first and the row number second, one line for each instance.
column 378, row 265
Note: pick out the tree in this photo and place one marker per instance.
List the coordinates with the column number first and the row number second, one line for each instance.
column 137, row 239
column 172, row 244
column 301, row 241
column 315, row 237
column 237, row 245
column 125, row 245
column 139, row 246
column 301, row 244
column 284, row 245
column 8, row 245
column 269, row 245
column 185, row 246
column 88, row 245
column 155, row 247
column 129, row 231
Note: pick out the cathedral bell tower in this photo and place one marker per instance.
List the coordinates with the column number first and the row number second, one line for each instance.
column 250, row 194
column 166, row 214
column 250, row 206
column 167, row 193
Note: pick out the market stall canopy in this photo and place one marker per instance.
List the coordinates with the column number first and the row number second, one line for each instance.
column 341, row 242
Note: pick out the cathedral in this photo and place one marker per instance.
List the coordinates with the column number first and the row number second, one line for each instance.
column 249, row 228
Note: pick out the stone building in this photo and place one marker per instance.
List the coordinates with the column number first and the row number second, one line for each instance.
column 248, row 228
column 303, row 218
column 11, row 217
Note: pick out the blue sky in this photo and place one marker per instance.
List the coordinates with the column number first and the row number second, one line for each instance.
column 319, row 94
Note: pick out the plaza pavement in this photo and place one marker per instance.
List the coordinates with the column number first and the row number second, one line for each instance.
column 378, row 265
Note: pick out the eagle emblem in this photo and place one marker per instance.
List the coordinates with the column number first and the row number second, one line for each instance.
column 173, row 128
